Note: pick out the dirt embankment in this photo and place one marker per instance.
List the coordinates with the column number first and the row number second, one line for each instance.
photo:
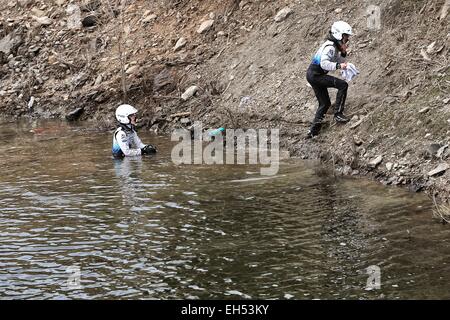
column 248, row 68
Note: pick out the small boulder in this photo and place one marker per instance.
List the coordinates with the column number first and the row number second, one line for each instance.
column 43, row 21
column 205, row 26
column 149, row 18
column 282, row 14
column 132, row 69
column 423, row 110
column 439, row 169
column 189, row 92
column 389, row 166
column 75, row 114
column 89, row 21
column 164, row 81
column 180, row 44
column 375, row 162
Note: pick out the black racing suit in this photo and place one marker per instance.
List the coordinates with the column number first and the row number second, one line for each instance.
column 325, row 60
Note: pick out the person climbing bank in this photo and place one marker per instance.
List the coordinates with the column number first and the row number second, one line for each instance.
column 125, row 140
column 329, row 57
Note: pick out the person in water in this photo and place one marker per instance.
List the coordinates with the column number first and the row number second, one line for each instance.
column 329, row 57
column 125, row 140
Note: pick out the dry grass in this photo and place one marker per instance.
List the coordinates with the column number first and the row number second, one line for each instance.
column 441, row 211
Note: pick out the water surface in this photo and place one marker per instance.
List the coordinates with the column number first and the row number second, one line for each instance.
column 145, row 228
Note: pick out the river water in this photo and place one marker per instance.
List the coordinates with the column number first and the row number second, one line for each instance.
column 75, row 223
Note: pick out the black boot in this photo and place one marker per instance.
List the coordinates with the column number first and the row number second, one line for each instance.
column 314, row 130
column 340, row 117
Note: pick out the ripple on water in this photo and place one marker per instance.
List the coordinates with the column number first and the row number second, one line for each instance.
column 145, row 228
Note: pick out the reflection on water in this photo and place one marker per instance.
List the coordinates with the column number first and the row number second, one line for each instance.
column 145, row 228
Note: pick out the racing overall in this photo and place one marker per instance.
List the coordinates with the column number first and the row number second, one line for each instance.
column 126, row 142
column 325, row 60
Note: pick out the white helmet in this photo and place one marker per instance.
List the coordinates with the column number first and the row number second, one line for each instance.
column 339, row 28
column 123, row 112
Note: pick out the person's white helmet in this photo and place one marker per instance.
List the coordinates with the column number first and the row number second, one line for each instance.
column 123, row 112
column 339, row 28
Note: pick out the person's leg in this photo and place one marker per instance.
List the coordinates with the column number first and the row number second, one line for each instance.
column 342, row 86
column 324, row 103
column 341, row 95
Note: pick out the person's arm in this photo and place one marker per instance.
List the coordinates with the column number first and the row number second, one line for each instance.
column 326, row 58
column 138, row 141
column 123, row 143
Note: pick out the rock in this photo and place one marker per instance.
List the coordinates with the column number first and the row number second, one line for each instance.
column 34, row 49
column 357, row 141
column 89, row 21
column 446, row 101
column 9, row 43
column 164, row 80
column 416, row 186
column 221, row 34
column 180, row 44
column 389, row 166
column 98, row 80
column 347, row 170
column 439, row 169
column 205, row 26
column 24, row 3
column 149, row 18
column 74, row 115
column 189, row 93
column 431, row 47
column 431, row 151
column 31, row 102
column 441, row 151
column 444, row 10
column 38, row 13
column 423, row 110
column 245, row 101
column 425, row 55
column 282, row 14
column 356, row 124
column 132, row 69
column 338, row 10
column 375, row 162
column 52, row 60
column 43, row 21
column 185, row 121
column 74, row 17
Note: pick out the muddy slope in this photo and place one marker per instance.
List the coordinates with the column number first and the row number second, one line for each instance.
column 249, row 72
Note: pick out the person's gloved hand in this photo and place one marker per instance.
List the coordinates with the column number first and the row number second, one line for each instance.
column 148, row 149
